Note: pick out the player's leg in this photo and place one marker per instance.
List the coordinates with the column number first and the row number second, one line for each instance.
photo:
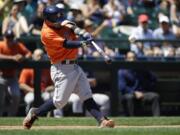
column 64, row 78
column 128, row 104
column 3, row 89
column 28, row 99
column 77, row 107
column 85, row 94
column 14, row 92
column 153, row 98
column 103, row 101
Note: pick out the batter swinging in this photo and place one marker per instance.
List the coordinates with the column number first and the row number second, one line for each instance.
column 61, row 45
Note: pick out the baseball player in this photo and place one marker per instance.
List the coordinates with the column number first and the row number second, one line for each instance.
column 11, row 49
column 60, row 42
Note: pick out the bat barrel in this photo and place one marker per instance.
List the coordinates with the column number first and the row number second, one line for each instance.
column 105, row 56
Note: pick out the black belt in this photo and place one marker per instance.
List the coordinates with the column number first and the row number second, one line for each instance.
column 69, row 62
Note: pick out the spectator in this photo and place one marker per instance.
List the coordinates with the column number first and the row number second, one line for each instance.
column 178, row 52
column 22, row 27
column 75, row 15
column 26, row 82
column 15, row 51
column 163, row 8
column 115, row 11
column 20, row 3
column 164, row 30
column 148, row 52
column 77, row 3
column 11, row 21
column 168, row 50
column 137, row 85
column 29, row 10
column 175, row 16
column 130, row 5
column 37, row 20
column 3, row 4
column 157, row 52
column 93, row 10
column 4, row 7
column 48, row 2
column 141, row 32
column 16, row 21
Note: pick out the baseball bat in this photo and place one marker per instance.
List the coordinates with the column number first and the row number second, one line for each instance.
column 85, row 34
column 105, row 56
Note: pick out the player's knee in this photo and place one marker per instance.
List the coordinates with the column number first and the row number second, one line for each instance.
column 29, row 98
column 74, row 99
column 106, row 99
column 59, row 103
column 155, row 96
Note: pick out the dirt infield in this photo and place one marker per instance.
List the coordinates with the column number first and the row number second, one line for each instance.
column 82, row 127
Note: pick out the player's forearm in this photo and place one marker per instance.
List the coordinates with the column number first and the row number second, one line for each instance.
column 49, row 88
column 6, row 57
column 70, row 44
column 26, row 88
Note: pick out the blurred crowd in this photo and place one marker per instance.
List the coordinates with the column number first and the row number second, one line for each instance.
column 134, row 20
column 123, row 19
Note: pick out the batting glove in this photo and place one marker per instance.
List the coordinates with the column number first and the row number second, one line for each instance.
column 86, row 43
column 87, row 36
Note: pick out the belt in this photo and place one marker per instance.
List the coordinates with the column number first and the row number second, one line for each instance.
column 69, row 62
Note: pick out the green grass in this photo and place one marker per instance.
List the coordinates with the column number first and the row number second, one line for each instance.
column 136, row 121
column 133, row 121
column 119, row 131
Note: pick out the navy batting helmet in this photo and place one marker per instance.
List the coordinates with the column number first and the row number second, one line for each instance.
column 53, row 14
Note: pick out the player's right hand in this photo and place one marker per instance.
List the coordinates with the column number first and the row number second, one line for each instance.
column 86, row 43
column 87, row 36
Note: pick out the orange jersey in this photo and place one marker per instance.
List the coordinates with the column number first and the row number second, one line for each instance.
column 53, row 40
column 27, row 77
column 18, row 48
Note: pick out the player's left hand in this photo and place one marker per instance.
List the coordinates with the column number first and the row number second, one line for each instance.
column 86, row 43
column 87, row 36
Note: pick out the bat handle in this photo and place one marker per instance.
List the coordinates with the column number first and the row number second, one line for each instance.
column 107, row 59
